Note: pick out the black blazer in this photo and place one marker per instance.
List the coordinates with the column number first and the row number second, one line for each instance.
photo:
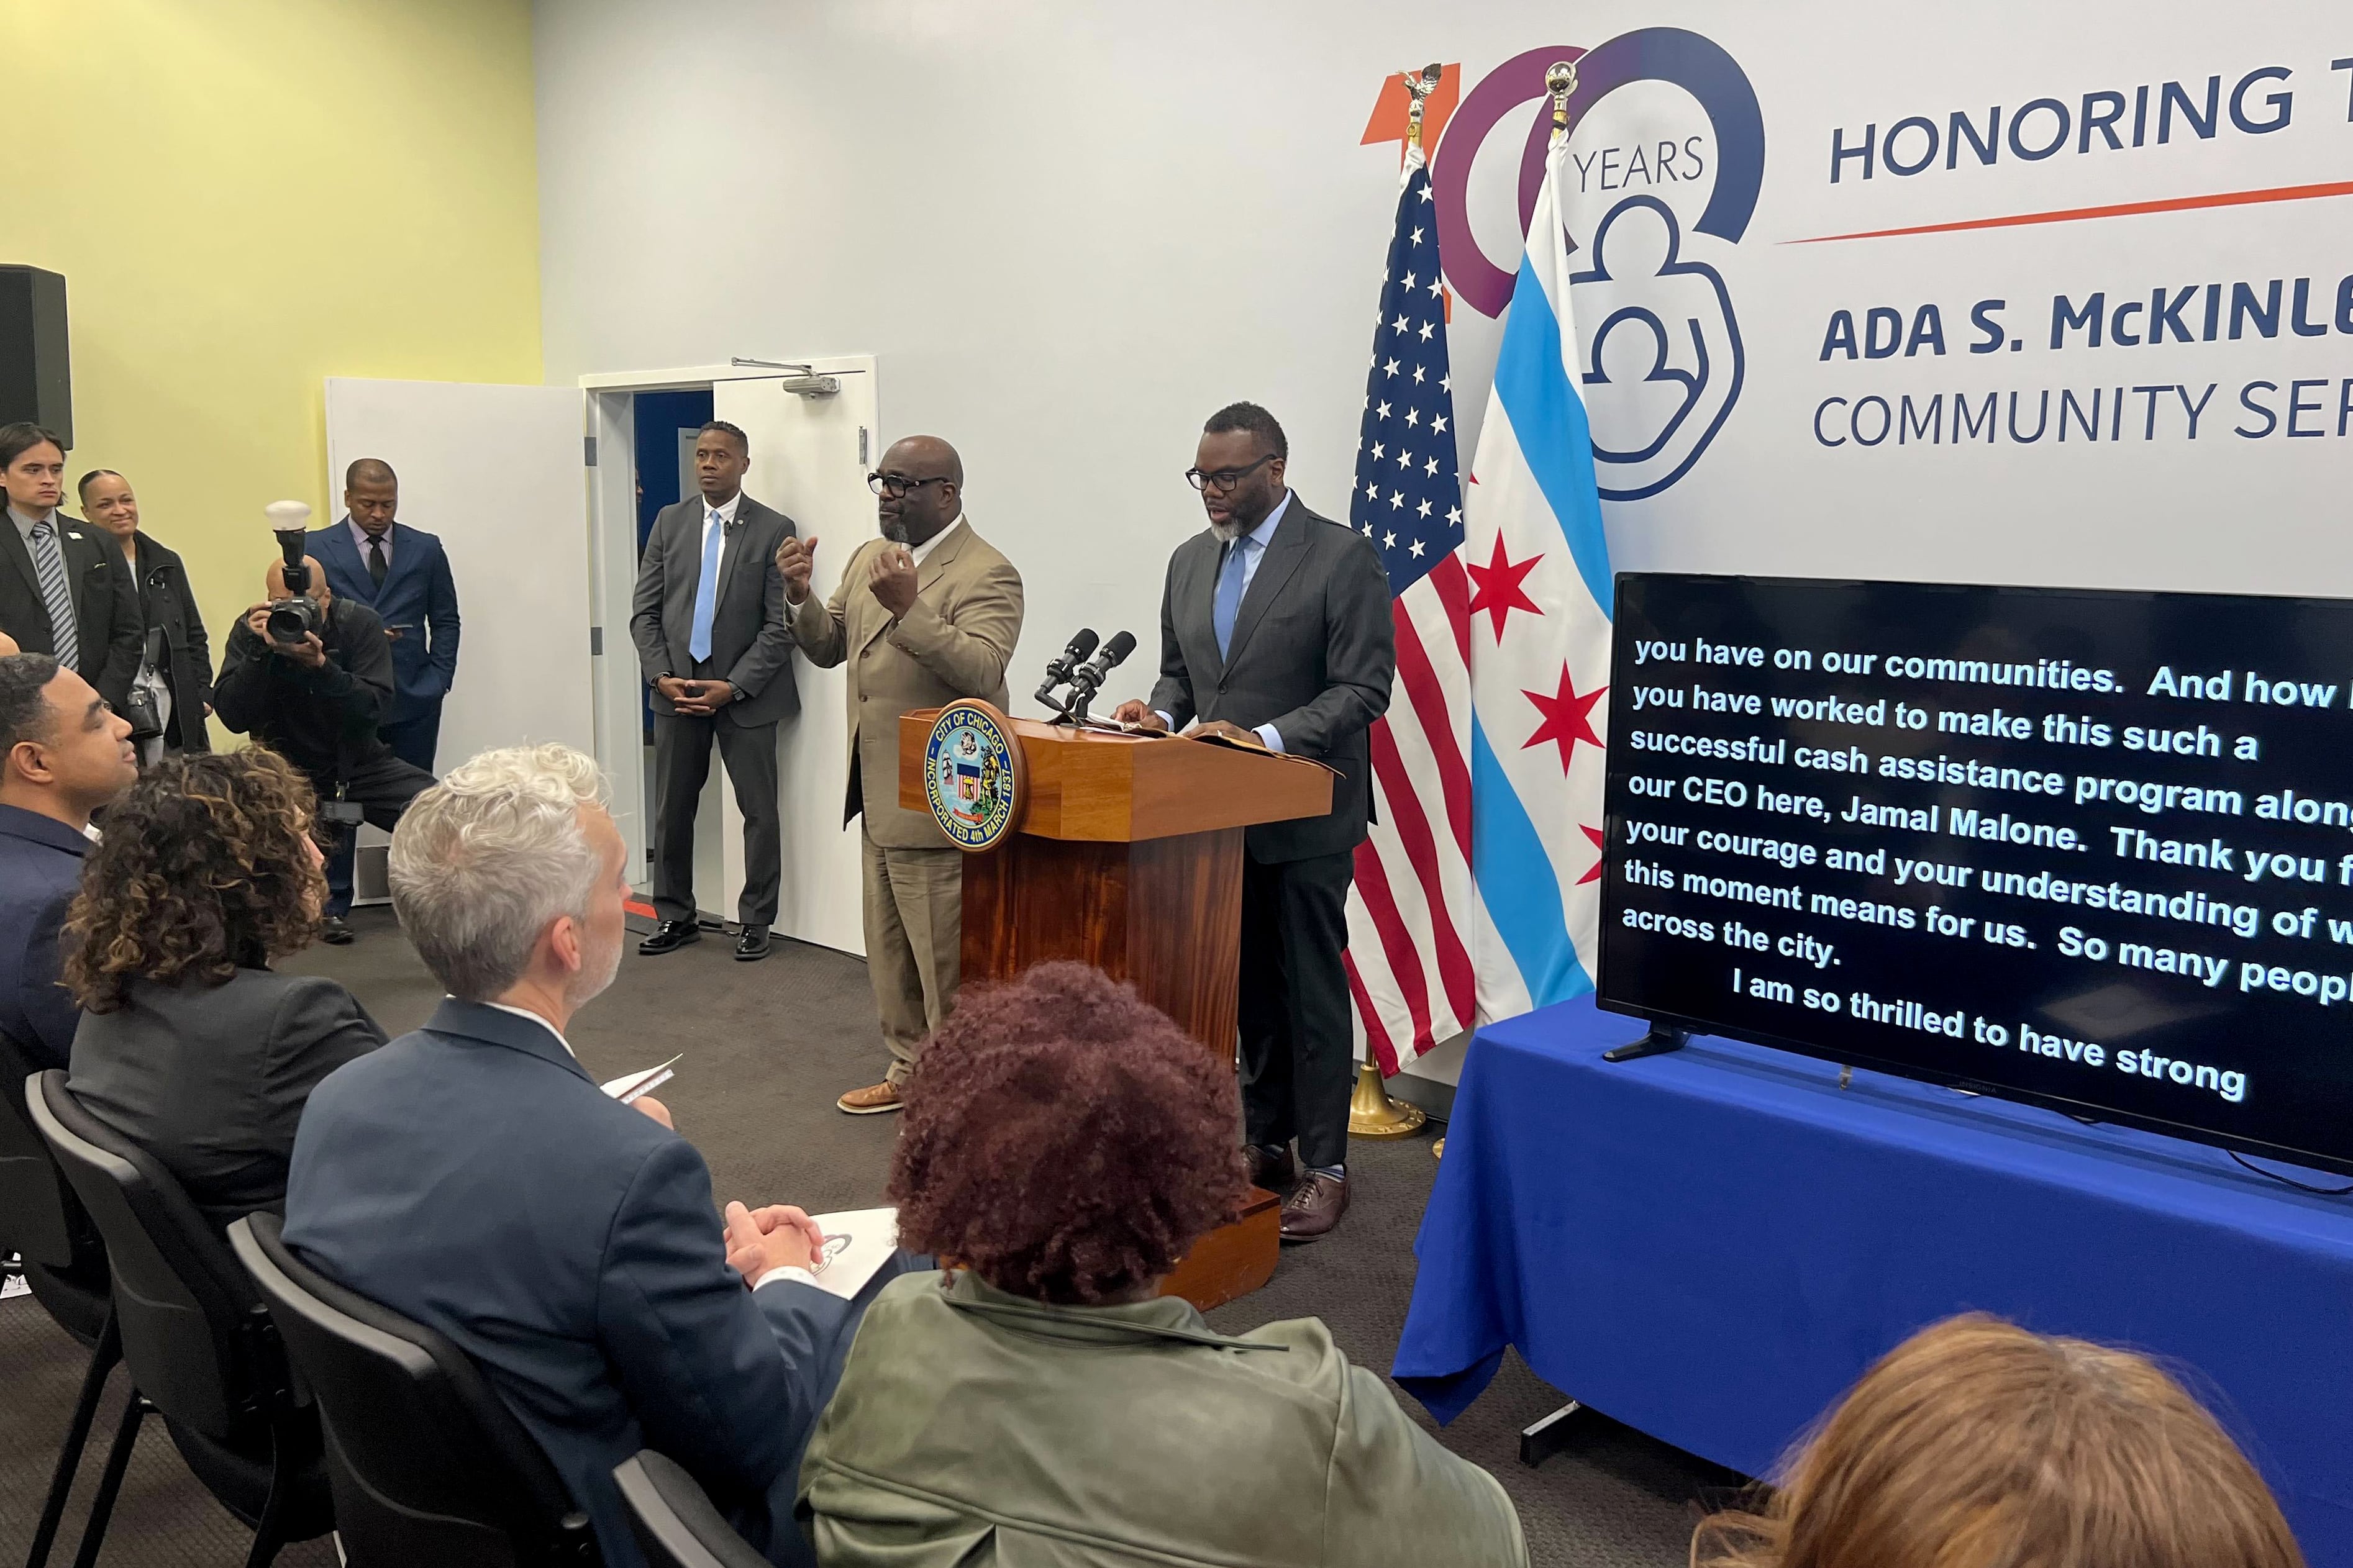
column 1314, row 654
column 211, row 1080
column 750, row 633
column 165, row 602
column 106, row 605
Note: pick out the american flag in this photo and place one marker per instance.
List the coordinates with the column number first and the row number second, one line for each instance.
column 1409, row 911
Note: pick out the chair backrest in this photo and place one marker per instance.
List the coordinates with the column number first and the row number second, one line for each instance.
column 194, row 1334
column 38, row 1216
column 674, row 1518
column 426, row 1462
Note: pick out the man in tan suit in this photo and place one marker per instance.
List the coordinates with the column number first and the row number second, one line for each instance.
column 925, row 615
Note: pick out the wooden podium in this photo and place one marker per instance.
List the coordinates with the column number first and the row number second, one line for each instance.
column 1128, row 856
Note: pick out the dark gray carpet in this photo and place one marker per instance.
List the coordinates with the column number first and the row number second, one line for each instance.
column 767, row 1047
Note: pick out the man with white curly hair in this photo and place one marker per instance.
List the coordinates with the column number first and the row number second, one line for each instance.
column 472, row 1176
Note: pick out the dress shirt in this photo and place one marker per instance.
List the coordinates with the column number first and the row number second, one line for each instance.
column 773, row 1275
column 360, row 540
column 56, row 520
column 726, row 519
column 1254, row 548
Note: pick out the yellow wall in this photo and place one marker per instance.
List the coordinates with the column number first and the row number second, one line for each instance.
column 247, row 196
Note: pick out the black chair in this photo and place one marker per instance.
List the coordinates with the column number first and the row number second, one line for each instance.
column 674, row 1518
column 65, row 1265
column 200, row 1347
column 427, row 1463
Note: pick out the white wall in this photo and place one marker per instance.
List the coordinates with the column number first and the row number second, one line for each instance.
column 1070, row 231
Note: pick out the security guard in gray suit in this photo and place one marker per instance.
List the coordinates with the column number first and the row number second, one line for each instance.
column 716, row 647
column 1276, row 630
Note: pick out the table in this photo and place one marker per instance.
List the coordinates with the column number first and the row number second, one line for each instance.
column 1710, row 1246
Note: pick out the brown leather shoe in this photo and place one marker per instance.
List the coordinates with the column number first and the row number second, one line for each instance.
column 871, row 1100
column 1314, row 1207
column 1276, row 1172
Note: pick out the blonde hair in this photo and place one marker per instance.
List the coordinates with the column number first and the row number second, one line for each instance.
column 1975, row 1444
column 483, row 862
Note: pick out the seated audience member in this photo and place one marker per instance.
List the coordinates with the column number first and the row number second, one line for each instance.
column 1066, row 1144
column 1975, row 1444
column 189, row 1046
column 63, row 754
column 473, row 1176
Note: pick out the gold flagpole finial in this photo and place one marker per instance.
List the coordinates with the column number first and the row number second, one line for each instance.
column 1560, row 80
column 1418, row 86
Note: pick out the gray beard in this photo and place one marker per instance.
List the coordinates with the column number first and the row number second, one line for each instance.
column 1226, row 532
column 896, row 532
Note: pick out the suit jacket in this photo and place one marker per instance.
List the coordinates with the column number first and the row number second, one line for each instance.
column 167, row 603
column 1314, row 652
column 418, row 600
column 953, row 642
column 106, row 605
column 472, row 1176
column 40, row 871
column 751, row 637
column 973, row 1426
column 211, row 1080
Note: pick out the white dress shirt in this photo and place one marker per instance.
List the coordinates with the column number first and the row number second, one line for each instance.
column 1254, row 548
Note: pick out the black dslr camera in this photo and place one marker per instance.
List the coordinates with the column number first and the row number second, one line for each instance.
column 298, row 615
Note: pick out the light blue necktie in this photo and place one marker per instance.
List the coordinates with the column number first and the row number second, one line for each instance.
column 706, row 588
column 1229, row 603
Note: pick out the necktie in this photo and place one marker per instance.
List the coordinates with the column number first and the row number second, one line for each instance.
column 1229, row 594
column 378, row 567
column 49, row 566
column 706, row 588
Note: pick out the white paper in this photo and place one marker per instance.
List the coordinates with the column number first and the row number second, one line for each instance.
column 630, row 1086
column 857, row 1242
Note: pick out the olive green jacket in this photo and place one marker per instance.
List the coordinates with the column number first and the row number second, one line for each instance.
column 975, row 1429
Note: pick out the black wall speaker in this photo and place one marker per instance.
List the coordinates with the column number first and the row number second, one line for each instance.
column 35, row 377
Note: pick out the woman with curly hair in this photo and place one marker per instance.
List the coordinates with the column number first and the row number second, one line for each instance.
column 188, row 1045
column 1066, row 1144
column 1976, row 1443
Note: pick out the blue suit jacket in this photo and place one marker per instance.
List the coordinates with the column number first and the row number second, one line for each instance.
column 418, row 597
column 40, row 868
column 472, row 1176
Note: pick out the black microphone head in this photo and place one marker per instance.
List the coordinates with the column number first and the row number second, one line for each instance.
column 1121, row 644
column 1081, row 644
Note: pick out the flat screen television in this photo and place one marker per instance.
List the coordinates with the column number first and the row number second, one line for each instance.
column 2091, row 851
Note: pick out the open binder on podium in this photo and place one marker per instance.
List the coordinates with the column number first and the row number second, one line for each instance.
column 1127, row 855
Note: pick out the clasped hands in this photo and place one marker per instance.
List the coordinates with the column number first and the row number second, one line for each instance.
column 891, row 576
column 1141, row 715
column 778, row 1237
column 698, row 697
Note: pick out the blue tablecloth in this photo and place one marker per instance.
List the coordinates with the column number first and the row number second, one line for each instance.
column 1710, row 1246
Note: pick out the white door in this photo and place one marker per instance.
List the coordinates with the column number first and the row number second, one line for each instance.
column 496, row 471
column 809, row 460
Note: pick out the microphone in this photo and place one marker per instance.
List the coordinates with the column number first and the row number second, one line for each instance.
column 1058, row 669
column 1089, row 677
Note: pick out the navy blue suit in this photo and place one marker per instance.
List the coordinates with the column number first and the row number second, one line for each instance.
column 473, row 1177
column 41, row 867
column 419, row 599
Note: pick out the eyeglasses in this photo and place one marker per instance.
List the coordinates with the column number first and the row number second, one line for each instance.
column 900, row 484
column 1224, row 480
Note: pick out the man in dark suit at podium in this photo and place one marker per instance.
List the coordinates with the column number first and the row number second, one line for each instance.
column 1275, row 631
column 715, row 643
column 401, row 573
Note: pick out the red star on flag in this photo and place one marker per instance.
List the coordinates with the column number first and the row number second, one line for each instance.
column 1595, row 834
column 1498, row 590
column 1567, row 718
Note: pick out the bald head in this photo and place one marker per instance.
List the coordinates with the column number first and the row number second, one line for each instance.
column 274, row 582
column 928, row 478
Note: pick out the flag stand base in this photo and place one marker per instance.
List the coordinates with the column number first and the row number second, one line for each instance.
column 1657, row 1043
column 1373, row 1114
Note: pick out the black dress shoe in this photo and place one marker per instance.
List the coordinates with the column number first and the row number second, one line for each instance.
column 335, row 932
column 1314, row 1207
column 1274, row 1171
column 668, row 937
column 752, row 944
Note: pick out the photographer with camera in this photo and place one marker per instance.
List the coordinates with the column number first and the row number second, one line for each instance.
column 310, row 675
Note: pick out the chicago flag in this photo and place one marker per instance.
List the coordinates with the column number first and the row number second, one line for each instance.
column 1539, row 643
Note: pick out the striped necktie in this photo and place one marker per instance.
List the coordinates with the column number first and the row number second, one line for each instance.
column 49, row 566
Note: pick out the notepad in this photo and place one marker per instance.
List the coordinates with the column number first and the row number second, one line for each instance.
column 857, row 1242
